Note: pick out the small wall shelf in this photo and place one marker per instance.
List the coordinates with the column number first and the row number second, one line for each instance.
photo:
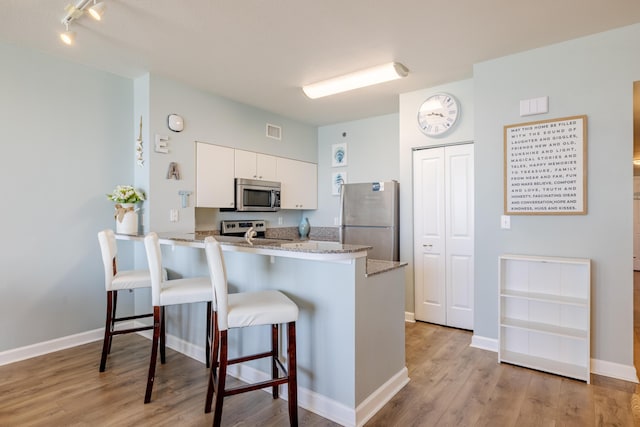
column 545, row 314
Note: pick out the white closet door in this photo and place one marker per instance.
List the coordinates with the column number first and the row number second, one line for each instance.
column 459, row 232
column 429, row 235
column 443, row 235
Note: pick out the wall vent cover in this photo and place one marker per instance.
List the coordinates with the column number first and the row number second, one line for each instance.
column 274, row 131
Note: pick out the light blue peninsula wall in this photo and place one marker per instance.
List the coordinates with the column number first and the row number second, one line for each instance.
column 350, row 332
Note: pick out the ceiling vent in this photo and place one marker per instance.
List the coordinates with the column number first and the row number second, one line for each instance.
column 274, row 131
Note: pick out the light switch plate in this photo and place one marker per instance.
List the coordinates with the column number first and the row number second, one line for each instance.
column 505, row 222
column 529, row 107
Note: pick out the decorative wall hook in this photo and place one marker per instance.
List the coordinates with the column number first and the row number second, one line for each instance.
column 139, row 159
column 185, row 197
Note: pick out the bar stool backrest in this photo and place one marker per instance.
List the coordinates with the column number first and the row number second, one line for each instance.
column 218, row 273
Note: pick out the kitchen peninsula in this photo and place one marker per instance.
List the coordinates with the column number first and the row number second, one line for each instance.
column 350, row 333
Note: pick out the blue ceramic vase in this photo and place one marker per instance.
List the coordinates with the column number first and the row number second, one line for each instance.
column 304, row 227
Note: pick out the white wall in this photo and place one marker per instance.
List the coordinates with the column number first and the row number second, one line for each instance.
column 372, row 155
column 66, row 142
column 593, row 76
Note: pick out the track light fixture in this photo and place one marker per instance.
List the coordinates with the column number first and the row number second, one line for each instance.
column 67, row 37
column 368, row 77
column 73, row 12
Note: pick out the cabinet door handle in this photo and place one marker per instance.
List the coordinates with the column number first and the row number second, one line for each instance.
column 427, row 246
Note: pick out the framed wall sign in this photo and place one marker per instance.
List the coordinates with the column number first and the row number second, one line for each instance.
column 545, row 167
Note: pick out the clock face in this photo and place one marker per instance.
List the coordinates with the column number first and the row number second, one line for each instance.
column 438, row 114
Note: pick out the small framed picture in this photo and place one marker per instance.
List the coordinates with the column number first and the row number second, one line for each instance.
column 339, row 155
column 337, row 179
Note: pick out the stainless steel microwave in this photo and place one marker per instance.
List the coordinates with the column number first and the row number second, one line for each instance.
column 254, row 195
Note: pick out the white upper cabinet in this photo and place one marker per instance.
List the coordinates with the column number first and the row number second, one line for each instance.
column 255, row 165
column 214, row 176
column 299, row 184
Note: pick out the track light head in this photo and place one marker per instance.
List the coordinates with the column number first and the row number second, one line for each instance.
column 67, row 36
column 97, row 10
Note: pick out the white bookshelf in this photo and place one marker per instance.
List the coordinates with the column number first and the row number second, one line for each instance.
column 545, row 314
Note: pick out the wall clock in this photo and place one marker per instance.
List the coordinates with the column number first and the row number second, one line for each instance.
column 438, row 113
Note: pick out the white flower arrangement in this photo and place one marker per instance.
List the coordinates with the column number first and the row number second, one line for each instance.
column 126, row 194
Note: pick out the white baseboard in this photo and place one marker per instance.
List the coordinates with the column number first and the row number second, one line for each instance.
column 178, row 344
column 614, row 370
column 38, row 349
column 376, row 400
column 484, row 343
column 598, row 367
column 409, row 317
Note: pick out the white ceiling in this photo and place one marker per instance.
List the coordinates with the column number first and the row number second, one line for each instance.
column 260, row 52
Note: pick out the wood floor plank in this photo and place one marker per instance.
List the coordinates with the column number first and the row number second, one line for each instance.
column 471, row 400
column 503, row 407
column 540, row 405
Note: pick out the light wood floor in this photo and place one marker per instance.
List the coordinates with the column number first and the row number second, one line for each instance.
column 451, row 384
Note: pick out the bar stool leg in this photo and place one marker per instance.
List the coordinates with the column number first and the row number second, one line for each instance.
column 207, row 350
column 222, row 376
column 292, row 374
column 106, row 345
column 114, row 310
column 163, row 336
column 213, row 378
column 158, row 319
column 274, row 354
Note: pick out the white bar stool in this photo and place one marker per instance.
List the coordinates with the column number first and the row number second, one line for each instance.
column 115, row 281
column 242, row 310
column 171, row 292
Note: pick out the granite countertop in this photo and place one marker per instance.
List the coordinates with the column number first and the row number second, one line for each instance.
column 295, row 247
column 299, row 245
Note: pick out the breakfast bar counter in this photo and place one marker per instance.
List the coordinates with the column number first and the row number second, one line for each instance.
column 350, row 331
column 321, row 250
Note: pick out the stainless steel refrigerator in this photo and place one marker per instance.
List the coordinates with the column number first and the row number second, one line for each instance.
column 369, row 216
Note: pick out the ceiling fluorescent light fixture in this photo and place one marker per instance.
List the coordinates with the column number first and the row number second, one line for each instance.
column 370, row 76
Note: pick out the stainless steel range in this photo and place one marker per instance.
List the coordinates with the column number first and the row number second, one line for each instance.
column 238, row 228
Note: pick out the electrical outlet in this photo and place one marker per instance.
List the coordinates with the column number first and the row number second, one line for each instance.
column 279, row 220
column 173, row 215
column 505, row 222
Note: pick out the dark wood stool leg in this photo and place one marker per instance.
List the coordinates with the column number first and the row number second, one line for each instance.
column 293, row 374
column 207, row 349
column 158, row 319
column 114, row 295
column 222, row 375
column 213, row 378
column 163, row 337
column 107, row 333
column 275, row 391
